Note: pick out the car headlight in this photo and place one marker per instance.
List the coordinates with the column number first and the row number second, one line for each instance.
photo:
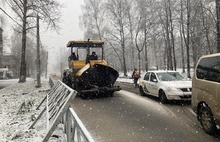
column 172, row 89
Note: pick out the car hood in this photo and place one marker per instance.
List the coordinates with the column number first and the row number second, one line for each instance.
column 178, row 84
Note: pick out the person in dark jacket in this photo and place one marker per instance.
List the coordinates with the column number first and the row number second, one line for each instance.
column 73, row 57
column 93, row 56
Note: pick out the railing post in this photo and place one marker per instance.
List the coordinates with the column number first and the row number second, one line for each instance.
column 73, row 127
column 78, row 135
column 68, row 126
column 64, row 123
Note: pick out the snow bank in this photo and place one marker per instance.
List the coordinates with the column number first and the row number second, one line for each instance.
column 18, row 111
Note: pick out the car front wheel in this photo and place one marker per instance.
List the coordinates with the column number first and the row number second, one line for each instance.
column 142, row 91
column 207, row 120
column 162, row 97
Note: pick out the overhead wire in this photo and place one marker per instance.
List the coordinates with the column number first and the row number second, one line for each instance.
column 10, row 17
column 32, row 32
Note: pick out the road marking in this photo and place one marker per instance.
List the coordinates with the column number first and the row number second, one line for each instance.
column 172, row 113
column 190, row 110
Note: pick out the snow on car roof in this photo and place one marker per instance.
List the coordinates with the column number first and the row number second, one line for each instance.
column 162, row 71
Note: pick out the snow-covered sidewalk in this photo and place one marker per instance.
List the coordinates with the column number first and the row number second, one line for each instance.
column 18, row 111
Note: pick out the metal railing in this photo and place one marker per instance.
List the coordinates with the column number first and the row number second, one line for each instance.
column 74, row 129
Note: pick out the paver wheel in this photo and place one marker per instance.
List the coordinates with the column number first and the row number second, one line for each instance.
column 111, row 93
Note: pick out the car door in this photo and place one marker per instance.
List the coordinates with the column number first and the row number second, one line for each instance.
column 153, row 84
column 146, row 82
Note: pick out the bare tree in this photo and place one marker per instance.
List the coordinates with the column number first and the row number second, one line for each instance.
column 130, row 14
column 138, row 38
column 26, row 11
column 151, row 26
column 94, row 18
column 117, row 10
column 172, row 34
column 186, row 35
column 144, row 20
column 167, row 27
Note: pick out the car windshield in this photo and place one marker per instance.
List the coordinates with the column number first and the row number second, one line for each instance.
column 170, row 76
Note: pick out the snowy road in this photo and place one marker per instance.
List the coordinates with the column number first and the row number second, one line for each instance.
column 129, row 117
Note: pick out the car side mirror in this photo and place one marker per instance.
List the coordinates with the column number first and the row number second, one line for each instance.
column 154, row 80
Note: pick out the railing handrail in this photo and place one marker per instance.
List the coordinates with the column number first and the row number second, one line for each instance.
column 73, row 126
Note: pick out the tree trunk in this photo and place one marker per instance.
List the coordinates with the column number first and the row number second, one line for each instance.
column 22, row 77
column 124, row 59
column 172, row 35
column 204, row 21
column 182, row 50
column 132, row 39
column 123, row 49
column 165, row 55
column 38, row 55
column 139, row 61
column 169, row 52
column 155, row 51
column 145, row 48
column 187, row 42
column 1, row 47
column 183, row 33
column 218, row 24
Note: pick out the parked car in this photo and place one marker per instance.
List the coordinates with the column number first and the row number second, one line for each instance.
column 206, row 92
column 167, row 85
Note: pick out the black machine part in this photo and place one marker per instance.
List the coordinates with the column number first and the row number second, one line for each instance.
column 98, row 76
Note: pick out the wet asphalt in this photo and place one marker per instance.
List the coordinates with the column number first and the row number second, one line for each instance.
column 129, row 117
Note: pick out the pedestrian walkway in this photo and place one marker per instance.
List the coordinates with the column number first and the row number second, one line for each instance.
column 18, row 111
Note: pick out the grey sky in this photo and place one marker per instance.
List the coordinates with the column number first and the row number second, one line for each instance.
column 69, row 24
column 70, row 30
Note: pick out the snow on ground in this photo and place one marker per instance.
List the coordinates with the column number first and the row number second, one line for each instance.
column 18, row 111
column 124, row 79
